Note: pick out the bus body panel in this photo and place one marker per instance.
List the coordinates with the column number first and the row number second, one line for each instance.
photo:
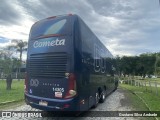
column 91, row 75
column 82, row 54
column 52, row 104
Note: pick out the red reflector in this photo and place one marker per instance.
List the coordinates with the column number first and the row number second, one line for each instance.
column 72, row 81
column 66, row 106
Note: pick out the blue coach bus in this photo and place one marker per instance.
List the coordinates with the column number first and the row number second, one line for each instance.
column 68, row 68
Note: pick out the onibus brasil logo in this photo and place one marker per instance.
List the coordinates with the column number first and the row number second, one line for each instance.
column 48, row 43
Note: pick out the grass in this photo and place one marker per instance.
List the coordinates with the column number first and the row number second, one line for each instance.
column 133, row 101
column 150, row 99
column 139, row 79
column 145, row 86
column 155, row 79
column 152, row 80
column 15, row 94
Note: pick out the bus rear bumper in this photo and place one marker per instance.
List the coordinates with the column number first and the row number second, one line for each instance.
column 51, row 104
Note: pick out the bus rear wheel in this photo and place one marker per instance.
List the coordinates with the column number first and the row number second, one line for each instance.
column 96, row 100
column 102, row 97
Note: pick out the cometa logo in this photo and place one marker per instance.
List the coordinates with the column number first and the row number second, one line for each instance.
column 56, row 42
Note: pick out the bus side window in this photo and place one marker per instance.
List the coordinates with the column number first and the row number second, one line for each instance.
column 85, row 75
column 97, row 59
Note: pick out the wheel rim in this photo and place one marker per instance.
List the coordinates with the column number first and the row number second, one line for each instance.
column 97, row 98
column 103, row 96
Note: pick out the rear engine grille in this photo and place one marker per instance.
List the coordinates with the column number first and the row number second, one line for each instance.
column 52, row 65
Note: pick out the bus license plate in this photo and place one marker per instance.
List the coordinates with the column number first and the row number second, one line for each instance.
column 58, row 94
column 44, row 103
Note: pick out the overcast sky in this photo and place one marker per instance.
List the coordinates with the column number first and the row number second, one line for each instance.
column 126, row 27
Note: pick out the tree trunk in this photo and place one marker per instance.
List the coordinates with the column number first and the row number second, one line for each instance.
column 9, row 82
column 19, row 74
column 19, row 69
column 20, row 55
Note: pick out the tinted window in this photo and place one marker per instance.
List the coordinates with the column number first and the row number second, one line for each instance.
column 49, row 26
column 55, row 28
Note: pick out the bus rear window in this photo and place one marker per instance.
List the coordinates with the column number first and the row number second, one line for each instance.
column 47, row 27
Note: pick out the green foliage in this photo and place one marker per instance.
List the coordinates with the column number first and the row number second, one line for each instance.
column 20, row 46
column 15, row 94
column 157, row 65
column 136, row 65
column 150, row 99
column 8, row 64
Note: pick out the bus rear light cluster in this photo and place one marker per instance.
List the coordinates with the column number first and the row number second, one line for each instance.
column 25, row 87
column 72, row 86
column 72, row 92
column 26, row 83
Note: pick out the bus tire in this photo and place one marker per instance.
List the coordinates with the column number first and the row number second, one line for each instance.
column 96, row 100
column 102, row 97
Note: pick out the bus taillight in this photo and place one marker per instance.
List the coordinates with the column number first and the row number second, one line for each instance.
column 26, row 83
column 72, row 86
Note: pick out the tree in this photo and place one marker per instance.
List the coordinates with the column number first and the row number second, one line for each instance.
column 137, row 65
column 157, row 64
column 148, row 63
column 20, row 47
column 16, row 65
column 6, row 64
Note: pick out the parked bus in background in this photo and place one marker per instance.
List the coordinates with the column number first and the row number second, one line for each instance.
column 68, row 68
